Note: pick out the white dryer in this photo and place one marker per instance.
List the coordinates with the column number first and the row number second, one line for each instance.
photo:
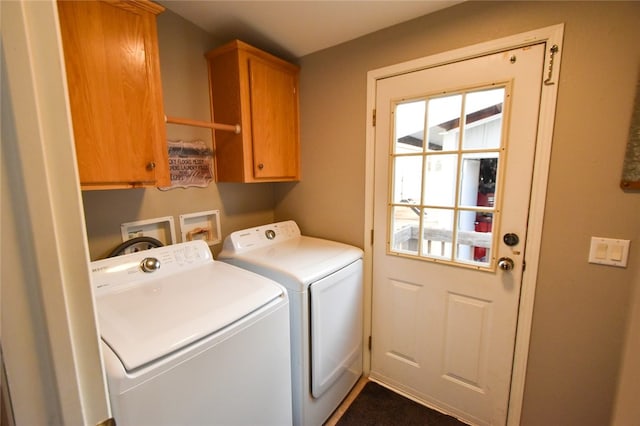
column 190, row 341
column 324, row 281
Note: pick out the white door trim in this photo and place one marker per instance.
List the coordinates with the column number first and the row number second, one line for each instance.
column 552, row 35
column 55, row 335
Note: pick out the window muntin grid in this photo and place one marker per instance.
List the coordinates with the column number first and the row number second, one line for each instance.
column 443, row 203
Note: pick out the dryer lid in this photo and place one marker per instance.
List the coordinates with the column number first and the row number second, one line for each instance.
column 296, row 263
column 148, row 320
column 279, row 252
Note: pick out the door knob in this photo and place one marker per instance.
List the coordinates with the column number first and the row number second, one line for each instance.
column 506, row 263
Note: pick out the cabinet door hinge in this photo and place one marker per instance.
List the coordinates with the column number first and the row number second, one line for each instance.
column 372, row 237
column 373, row 118
column 369, row 343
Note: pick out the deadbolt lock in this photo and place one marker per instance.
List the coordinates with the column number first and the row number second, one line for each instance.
column 511, row 239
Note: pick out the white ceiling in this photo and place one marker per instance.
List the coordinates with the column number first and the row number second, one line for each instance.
column 298, row 27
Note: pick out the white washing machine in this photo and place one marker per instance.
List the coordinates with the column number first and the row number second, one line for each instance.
column 324, row 281
column 187, row 340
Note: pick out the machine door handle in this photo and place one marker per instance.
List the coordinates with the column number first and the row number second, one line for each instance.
column 506, row 264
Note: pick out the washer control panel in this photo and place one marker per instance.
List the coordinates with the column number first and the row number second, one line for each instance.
column 149, row 264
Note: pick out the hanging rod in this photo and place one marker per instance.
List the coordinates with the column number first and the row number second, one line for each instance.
column 188, row 122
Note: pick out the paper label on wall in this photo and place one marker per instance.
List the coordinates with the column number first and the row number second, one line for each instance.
column 190, row 164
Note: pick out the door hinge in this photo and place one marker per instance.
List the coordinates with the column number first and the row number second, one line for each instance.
column 107, row 422
column 372, row 237
column 373, row 118
column 369, row 343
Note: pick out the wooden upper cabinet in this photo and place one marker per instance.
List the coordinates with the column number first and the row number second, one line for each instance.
column 260, row 92
column 113, row 74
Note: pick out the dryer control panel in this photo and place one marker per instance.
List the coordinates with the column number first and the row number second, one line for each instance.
column 260, row 236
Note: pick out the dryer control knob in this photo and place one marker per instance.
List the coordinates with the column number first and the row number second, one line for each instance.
column 149, row 264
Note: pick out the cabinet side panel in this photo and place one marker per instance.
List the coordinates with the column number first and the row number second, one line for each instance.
column 161, row 152
column 226, row 107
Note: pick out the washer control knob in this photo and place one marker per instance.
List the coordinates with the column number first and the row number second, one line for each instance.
column 270, row 234
column 149, row 264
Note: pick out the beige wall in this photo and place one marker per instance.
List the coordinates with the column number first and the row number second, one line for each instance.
column 581, row 310
column 186, row 94
column 627, row 409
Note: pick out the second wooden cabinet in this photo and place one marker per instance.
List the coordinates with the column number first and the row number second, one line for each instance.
column 260, row 92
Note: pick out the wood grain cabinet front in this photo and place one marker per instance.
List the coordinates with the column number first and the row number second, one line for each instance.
column 260, row 92
column 113, row 74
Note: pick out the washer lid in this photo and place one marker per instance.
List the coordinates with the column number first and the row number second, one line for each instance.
column 146, row 321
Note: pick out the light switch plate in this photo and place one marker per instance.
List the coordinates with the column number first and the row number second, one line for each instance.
column 609, row 251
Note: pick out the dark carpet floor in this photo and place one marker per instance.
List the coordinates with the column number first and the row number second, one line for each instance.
column 378, row 406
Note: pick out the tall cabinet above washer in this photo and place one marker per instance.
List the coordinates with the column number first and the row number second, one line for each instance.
column 260, row 92
column 115, row 92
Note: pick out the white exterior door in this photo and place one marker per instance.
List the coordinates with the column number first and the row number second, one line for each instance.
column 454, row 151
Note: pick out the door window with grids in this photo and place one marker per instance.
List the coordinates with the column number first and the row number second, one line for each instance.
column 445, row 163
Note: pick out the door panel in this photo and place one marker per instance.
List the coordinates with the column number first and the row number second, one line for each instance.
column 446, row 190
column 466, row 339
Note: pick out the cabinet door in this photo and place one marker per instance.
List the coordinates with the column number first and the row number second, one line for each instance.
column 116, row 103
column 274, row 121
